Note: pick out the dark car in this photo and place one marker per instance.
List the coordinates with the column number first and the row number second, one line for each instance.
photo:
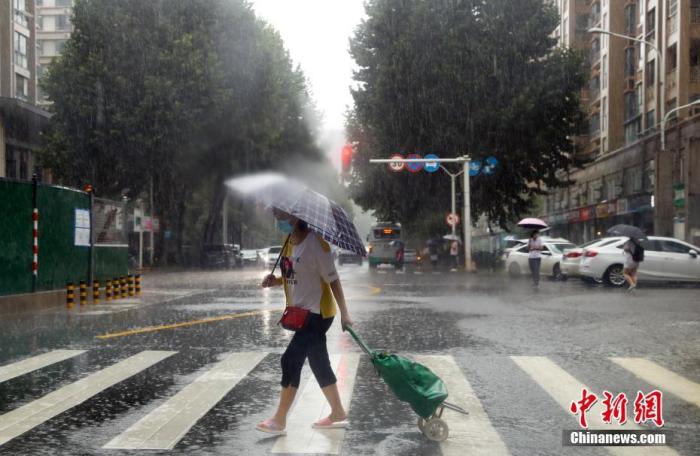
column 345, row 256
column 221, row 256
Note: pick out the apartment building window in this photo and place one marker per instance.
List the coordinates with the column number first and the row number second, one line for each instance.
column 63, row 22
column 21, row 50
column 650, row 69
column 595, row 87
column 672, row 8
column 633, row 180
column 604, row 114
column 651, row 122
column 632, row 130
column 671, row 58
column 21, row 87
column 595, row 50
column 604, row 67
column 695, row 60
column 595, row 14
column 60, row 44
column 651, row 24
column 629, row 62
column 631, row 110
column 20, row 13
column 630, row 19
column 594, row 124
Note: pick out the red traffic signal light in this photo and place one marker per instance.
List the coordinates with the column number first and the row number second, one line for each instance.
column 346, row 158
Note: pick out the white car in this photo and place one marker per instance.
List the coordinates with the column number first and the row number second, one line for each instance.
column 572, row 257
column 665, row 260
column 552, row 253
column 268, row 256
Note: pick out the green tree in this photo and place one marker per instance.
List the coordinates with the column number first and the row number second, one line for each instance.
column 178, row 95
column 462, row 77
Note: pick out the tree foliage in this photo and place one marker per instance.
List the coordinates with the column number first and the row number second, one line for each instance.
column 180, row 93
column 457, row 77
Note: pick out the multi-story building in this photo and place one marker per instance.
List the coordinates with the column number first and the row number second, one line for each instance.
column 53, row 30
column 20, row 120
column 630, row 179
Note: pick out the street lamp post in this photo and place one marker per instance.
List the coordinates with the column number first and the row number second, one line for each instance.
column 667, row 116
column 660, row 73
column 661, row 98
column 466, row 220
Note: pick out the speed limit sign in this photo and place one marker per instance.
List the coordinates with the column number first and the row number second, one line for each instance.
column 452, row 219
column 397, row 165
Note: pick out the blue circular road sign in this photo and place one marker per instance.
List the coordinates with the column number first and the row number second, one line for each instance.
column 474, row 168
column 431, row 167
column 490, row 166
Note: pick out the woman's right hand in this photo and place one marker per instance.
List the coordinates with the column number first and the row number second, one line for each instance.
column 269, row 281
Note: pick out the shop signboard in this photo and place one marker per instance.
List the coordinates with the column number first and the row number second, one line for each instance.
column 622, row 206
column 584, row 213
column 572, row 216
column 601, row 210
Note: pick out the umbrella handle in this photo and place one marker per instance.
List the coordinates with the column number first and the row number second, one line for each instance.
column 280, row 254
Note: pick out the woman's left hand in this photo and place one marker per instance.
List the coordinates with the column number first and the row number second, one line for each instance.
column 345, row 321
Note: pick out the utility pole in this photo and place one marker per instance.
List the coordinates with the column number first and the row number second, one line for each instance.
column 466, row 218
column 224, row 221
column 152, row 245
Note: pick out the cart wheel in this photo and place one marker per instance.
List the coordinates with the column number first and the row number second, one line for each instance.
column 436, row 429
column 421, row 424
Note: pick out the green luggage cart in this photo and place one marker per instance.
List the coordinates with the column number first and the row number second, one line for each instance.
column 414, row 383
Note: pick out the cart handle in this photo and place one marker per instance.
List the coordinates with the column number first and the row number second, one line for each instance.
column 360, row 342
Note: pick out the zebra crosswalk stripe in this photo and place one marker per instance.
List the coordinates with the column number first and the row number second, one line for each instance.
column 471, row 434
column 565, row 389
column 661, row 377
column 25, row 366
column 166, row 425
column 21, row 420
column 312, row 406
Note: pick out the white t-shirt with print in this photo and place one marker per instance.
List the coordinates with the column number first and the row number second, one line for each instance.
column 535, row 244
column 303, row 273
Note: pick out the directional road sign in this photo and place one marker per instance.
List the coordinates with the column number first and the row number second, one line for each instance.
column 431, row 167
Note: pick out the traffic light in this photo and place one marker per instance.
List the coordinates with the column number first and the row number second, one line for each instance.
column 346, row 159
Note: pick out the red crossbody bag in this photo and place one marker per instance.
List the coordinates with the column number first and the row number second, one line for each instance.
column 293, row 318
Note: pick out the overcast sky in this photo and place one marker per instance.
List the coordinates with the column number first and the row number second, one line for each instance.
column 316, row 33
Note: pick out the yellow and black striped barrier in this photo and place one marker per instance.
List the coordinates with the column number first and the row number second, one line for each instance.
column 125, row 291
column 130, row 280
column 83, row 293
column 95, row 291
column 108, row 291
column 70, row 295
column 117, row 292
column 137, row 280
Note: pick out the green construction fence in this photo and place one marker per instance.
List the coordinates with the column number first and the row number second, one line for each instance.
column 60, row 260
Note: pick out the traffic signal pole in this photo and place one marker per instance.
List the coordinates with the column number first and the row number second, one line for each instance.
column 466, row 220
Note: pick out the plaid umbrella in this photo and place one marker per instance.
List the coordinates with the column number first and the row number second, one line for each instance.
column 323, row 215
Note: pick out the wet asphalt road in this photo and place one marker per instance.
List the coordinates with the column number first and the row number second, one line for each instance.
column 481, row 321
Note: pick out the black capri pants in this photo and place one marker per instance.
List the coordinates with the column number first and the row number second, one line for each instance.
column 308, row 342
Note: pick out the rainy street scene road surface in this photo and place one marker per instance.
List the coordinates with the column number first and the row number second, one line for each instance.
column 351, row 227
column 192, row 365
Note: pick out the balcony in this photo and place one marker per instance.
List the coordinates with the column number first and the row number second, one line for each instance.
column 695, row 15
column 695, row 74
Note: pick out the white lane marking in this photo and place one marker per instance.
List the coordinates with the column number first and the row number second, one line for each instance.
column 471, row 434
column 666, row 380
column 565, row 389
column 21, row 420
column 35, row 363
column 311, row 406
column 166, row 425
